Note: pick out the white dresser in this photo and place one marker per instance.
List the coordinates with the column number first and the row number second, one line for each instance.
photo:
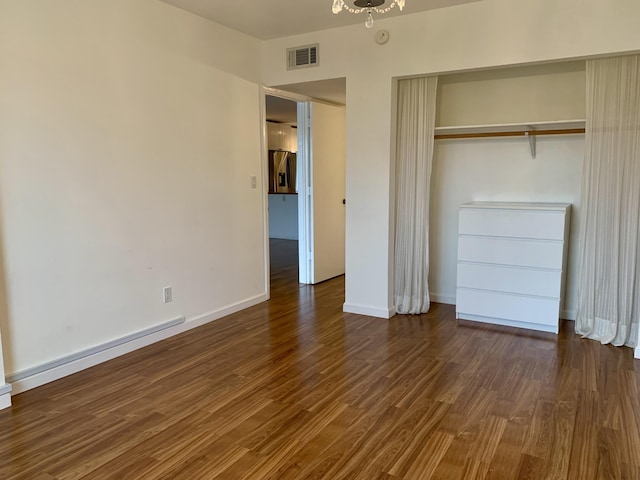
column 511, row 263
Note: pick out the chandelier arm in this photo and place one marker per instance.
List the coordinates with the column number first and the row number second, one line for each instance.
column 374, row 9
column 354, row 10
column 384, row 10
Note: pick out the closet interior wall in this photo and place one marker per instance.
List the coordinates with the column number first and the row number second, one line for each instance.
column 501, row 168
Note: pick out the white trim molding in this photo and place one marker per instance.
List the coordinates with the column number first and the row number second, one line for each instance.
column 90, row 352
column 568, row 315
column 217, row 314
column 274, row 92
column 264, row 173
column 637, row 352
column 305, row 200
column 62, row 367
column 369, row 311
column 5, row 396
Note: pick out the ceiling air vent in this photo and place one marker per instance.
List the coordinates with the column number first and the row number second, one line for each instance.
column 302, row 57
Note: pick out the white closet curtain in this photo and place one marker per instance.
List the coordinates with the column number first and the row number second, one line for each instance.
column 609, row 283
column 414, row 156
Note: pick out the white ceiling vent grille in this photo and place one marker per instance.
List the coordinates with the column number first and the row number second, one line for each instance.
column 302, row 57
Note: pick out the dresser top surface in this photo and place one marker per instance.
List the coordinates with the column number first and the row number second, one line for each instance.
column 517, row 205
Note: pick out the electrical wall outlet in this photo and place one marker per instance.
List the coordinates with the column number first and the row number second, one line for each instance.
column 167, row 295
column 254, row 181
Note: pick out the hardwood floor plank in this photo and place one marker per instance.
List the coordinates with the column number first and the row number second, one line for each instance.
column 485, row 445
column 610, row 464
column 206, row 466
column 559, row 450
column 584, row 445
column 296, row 389
column 454, row 460
column 630, row 427
column 424, row 457
column 502, row 465
column 475, row 469
column 530, row 468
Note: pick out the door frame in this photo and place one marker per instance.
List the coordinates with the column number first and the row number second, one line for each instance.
column 302, row 181
column 305, row 195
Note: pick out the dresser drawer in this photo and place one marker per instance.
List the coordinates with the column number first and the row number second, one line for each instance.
column 516, row 252
column 542, row 283
column 533, row 224
column 504, row 306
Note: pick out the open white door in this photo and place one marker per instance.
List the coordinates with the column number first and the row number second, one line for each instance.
column 322, row 172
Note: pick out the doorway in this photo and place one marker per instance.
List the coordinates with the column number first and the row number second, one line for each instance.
column 282, row 147
column 317, row 142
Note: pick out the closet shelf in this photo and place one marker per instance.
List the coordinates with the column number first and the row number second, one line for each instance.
column 512, row 129
column 528, row 130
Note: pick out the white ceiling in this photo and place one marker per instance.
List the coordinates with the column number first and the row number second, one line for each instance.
column 286, row 111
column 281, row 110
column 280, row 18
column 270, row 19
column 333, row 90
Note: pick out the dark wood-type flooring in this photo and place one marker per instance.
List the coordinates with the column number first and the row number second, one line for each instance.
column 295, row 389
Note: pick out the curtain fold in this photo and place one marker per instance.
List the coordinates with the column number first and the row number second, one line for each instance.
column 414, row 157
column 609, row 281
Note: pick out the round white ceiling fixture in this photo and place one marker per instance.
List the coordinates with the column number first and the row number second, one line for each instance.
column 382, row 37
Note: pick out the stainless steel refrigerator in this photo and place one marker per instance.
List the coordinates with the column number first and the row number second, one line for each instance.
column 282, row 172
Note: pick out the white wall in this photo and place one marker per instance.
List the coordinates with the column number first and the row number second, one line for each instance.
column 479, row 35
column 128, row 134
column 283, row 216
column 530, row 94
column 499, row 170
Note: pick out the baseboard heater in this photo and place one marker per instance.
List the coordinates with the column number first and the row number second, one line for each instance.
column 15, row 377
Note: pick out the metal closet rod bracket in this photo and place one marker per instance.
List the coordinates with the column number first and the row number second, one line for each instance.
column 532, row 141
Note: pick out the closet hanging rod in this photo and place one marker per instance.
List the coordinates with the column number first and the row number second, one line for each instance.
column 519, row 133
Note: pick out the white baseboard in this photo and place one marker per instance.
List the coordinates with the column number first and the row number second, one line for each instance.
column 637, row 352
column 568, row 315
column 369, row 311
column 5, row 401
column 205, row 318
column 5, row 396
column 57, row 369
column 93, row 351
column 438, row 298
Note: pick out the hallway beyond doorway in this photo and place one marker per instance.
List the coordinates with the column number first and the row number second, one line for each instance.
column 283, row 255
